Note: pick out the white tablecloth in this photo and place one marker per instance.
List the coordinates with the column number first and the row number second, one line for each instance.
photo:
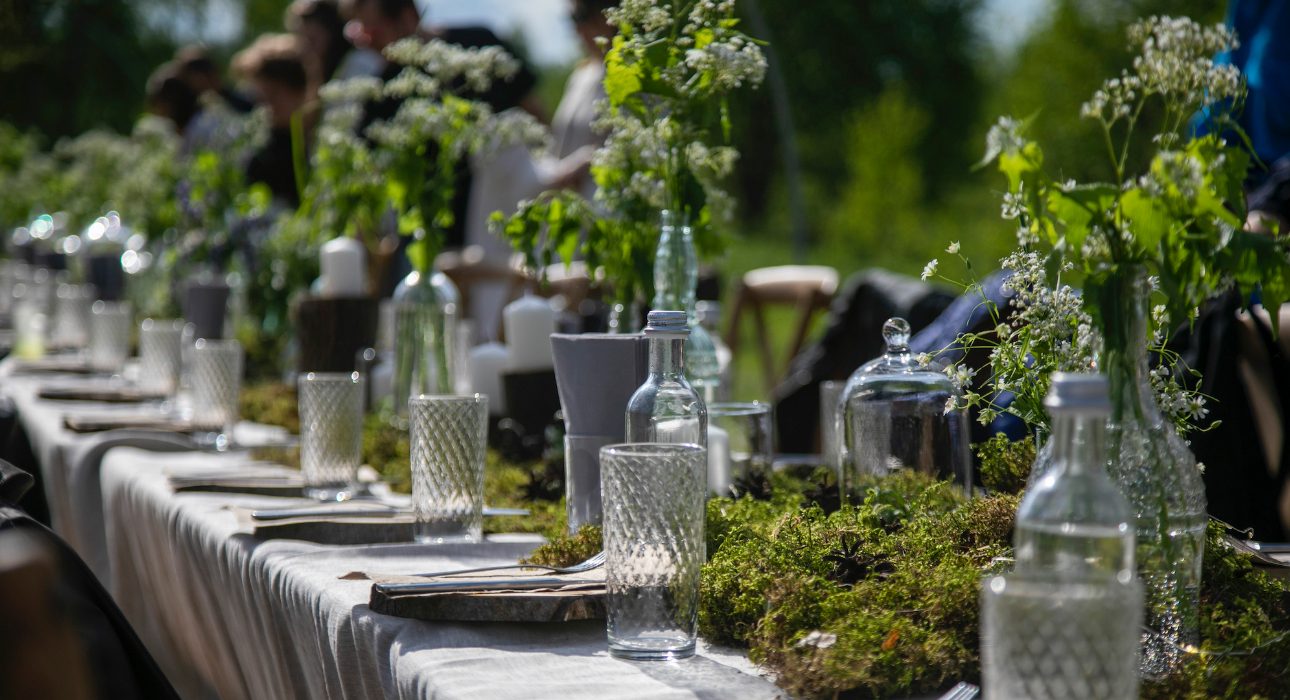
column 234, row 617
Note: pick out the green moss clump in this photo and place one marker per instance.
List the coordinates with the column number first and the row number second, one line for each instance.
column 1005, row 465
column 271, row 403
column 567, row 550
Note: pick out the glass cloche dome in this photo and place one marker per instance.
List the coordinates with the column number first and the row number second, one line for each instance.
column 892, row 417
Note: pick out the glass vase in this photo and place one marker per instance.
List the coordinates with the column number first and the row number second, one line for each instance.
column 1157, row 473
column 427, row 306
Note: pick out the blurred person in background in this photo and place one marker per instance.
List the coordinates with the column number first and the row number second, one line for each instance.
column 1263, row 27
column 375, row 24
column 503, row 179
column 199, row 70
column 170, row 97
column 324, row 47
column 273, row 65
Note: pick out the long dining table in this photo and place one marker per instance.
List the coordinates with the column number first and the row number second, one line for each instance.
column 232, row 615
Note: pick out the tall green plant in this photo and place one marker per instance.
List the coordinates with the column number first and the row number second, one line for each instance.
column 668, row 73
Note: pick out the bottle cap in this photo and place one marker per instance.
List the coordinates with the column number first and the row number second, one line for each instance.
column 667, row 323
column 1070, row 391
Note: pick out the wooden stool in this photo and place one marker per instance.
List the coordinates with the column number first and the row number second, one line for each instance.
column 806, row 287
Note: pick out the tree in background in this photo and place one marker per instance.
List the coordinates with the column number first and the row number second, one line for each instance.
column 67, row 66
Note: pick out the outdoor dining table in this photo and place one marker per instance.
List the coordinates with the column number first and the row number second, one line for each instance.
column 232, row 615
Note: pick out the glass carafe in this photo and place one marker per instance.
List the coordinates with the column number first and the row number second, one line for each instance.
column 676, row 277
column 427, row 306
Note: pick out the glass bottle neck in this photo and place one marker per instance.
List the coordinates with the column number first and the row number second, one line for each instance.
column 667, row 358
column 675, row 267
column 1124, row 346
column 1079, row 442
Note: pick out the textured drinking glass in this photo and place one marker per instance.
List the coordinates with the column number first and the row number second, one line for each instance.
column 217, row 386
column 830, row 421
column 160, row 355
column 111, row 323
column 653, row 504
column 449, row 436
column 1043, row 638
column 741, row 441
column 331, row 433
column 71, row 316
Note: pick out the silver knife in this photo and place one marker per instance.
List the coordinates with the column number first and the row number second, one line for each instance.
column 518, row 584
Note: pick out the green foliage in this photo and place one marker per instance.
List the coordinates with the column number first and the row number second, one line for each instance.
column 270, row 403
column 567, row 550
column 668, row 73
column 911, row 626
column 1005, row 465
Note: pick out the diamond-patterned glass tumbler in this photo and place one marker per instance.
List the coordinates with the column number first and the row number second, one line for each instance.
column 71, row 316
column 160, row 355
column 449, row 436
column 1045, row 638
column 653, row 504
column 111, row 323
column 331, row 433
column 217, row 385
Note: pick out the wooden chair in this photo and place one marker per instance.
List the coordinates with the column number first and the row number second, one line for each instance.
column 808, row 288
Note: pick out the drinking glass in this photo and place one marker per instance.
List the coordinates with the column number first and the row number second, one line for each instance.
column 741, row 441
column 71, row 316
column 1044, row 637
column 653, row 504
column 449, row 438
column 217, row 387
column 830, row 418
column 160, row 355
column 111, row 323
column 331, row 433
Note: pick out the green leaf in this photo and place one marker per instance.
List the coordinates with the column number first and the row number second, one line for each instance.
column 1150, row 220
column 703, row 37
column 622, row 80
column 1080, row 209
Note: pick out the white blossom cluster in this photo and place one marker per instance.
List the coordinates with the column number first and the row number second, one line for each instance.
column 717, row 57
column 461, row 126
column 1054, row 317
column 1004, row 137
column 1178, row 172
column 1175, row 60
column 356, row 90
column 478, row 68
column 1175, row 402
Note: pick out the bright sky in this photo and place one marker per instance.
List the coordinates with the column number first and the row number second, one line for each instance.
column 545, row 25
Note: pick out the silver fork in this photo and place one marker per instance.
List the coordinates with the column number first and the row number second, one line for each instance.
column 962, row 691
column 594, row 562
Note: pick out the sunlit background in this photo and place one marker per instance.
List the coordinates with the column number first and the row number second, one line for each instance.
column 890, row 100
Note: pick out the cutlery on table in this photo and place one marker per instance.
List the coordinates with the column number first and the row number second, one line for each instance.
column 594, row 562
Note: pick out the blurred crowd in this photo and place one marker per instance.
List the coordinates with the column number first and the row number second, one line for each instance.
column 326, row 40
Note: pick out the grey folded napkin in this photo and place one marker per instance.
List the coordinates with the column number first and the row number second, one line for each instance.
column 99, row 422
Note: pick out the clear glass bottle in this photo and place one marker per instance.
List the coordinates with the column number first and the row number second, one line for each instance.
column 1157, row 473
column 676, row 277
column 1073, row 522
column 708, row 314
column 892, row 416
column 425, row 332
column 666, row 408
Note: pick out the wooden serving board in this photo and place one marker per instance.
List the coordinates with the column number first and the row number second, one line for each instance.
column 101, row 422
column 555, row 606
column 105, row 394
column 585, row 601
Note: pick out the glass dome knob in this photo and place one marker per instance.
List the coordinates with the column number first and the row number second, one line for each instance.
column 896, row 332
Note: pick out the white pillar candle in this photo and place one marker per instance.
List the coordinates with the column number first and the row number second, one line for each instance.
column 529, row 323
column 719, row 466
column 487, row 362
column 342, row 262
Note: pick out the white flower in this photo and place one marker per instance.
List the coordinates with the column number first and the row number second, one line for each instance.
column 929, row 269
column 953, row 249
column 818, row 639
column 1004, row 137
column 924, row 359
column 1014, row 204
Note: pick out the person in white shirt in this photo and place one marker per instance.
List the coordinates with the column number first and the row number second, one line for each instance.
column 504, row 178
